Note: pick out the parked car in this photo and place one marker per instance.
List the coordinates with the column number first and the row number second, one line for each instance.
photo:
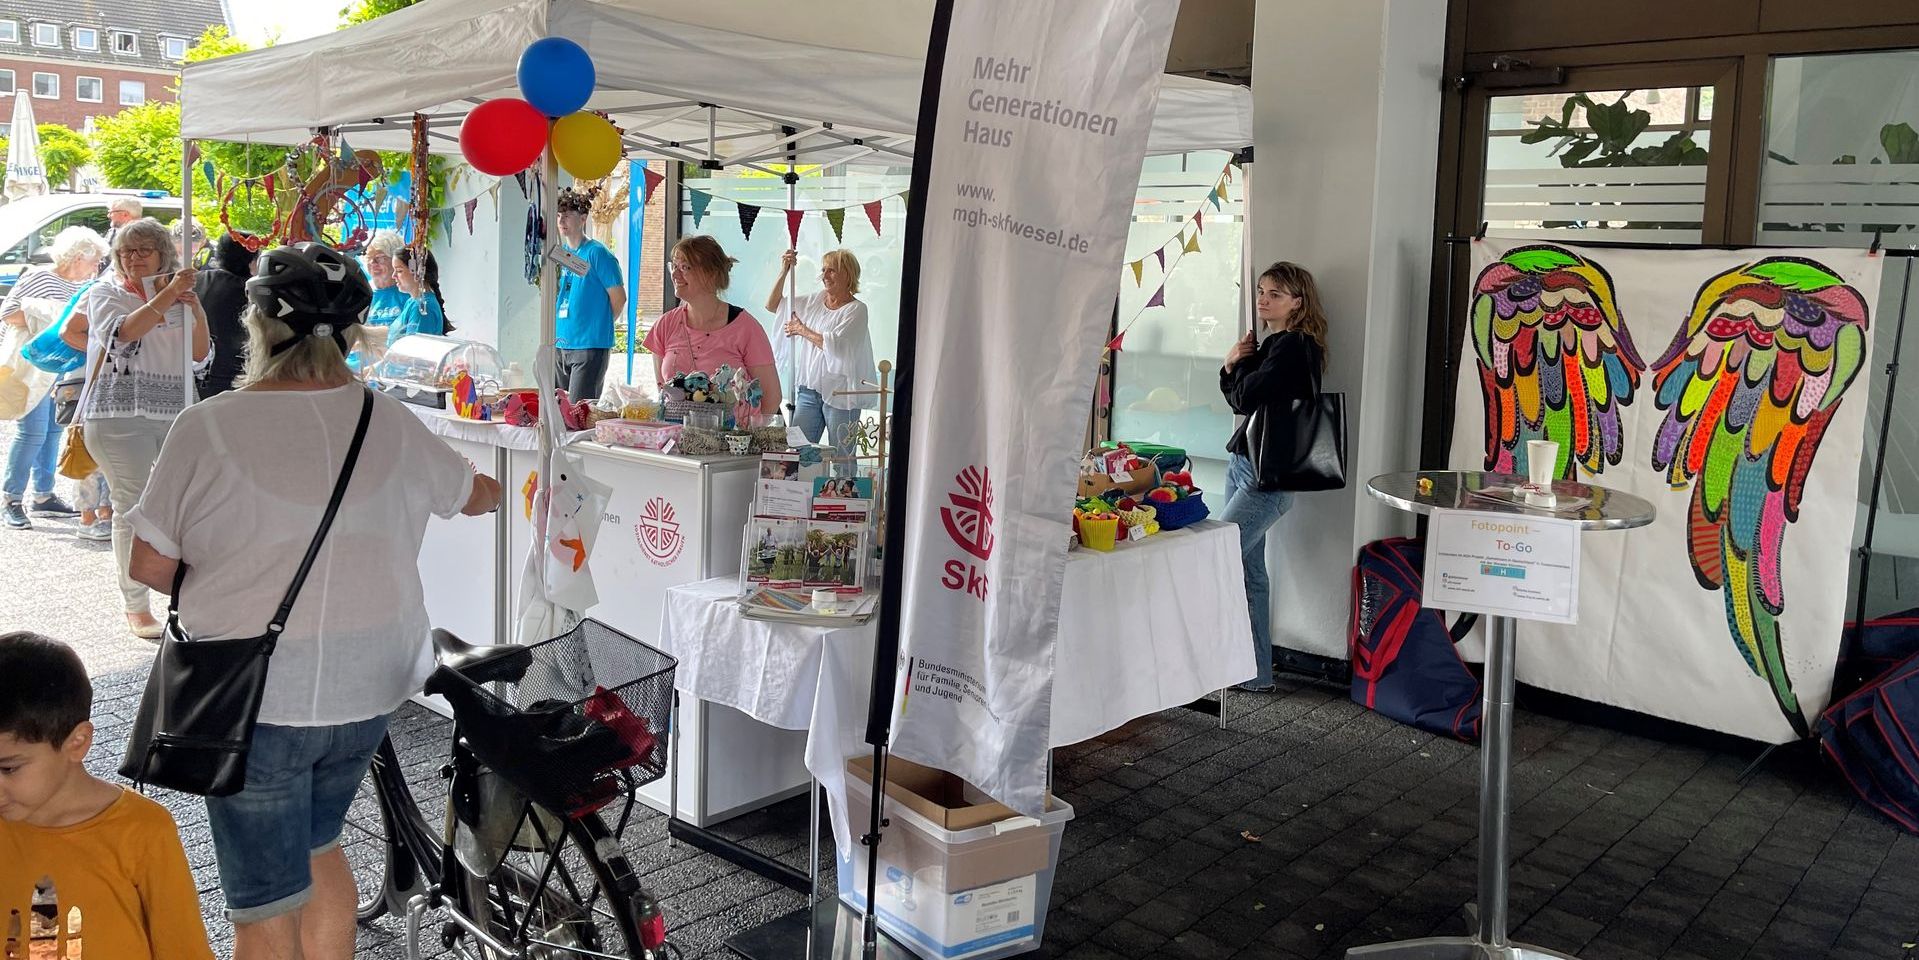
column 28, row 225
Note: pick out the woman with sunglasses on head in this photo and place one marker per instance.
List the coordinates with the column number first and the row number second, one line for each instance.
column 140, row 319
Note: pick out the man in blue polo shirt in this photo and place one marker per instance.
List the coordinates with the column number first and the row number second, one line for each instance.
column 588, row 303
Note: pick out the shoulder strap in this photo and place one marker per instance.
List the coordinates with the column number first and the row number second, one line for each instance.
column 733, row 312
column 319, row 537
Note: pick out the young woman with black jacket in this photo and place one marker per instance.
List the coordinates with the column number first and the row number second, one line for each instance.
column 1273, row 372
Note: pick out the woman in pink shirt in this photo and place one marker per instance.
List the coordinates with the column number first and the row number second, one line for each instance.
column 704, row 332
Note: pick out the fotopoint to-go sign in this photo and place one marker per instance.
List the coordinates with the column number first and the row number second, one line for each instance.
column 1040, row 128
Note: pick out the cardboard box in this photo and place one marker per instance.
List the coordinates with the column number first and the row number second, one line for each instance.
column 950, row 803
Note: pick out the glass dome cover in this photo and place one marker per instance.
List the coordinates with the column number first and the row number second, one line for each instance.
column 432, row 362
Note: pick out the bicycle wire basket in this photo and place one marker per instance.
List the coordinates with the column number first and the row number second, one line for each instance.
column 585, row 722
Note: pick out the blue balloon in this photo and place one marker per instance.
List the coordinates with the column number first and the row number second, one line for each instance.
column 556, row 76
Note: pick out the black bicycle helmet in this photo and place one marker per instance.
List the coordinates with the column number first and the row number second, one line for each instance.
column 311, row 287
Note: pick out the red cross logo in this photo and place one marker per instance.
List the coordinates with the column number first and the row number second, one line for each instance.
column 969, row 521
column 659, row 532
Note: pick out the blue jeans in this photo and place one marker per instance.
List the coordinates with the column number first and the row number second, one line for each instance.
column 35, row 450
column 1255, row 511
column 300, row 785
column 816, row 418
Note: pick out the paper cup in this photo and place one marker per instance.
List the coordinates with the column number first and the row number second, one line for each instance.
column 1541, row 457
column 825, row 600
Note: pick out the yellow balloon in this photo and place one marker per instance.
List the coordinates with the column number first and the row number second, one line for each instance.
column 586, row 145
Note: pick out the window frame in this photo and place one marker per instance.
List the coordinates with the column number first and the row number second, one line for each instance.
column 114, row 39
column 35, row 90
column 11, row 30
column 123, row 93
column 100, row 92
column 37, row 27
column 73, row 36
column 13, row 82
column 165, row 51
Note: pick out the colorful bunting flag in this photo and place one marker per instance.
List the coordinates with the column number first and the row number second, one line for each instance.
column 873, row 213
column 653, row 179
column 1159, row 297
column 520, row 178
column 269, row 185
column 837, row 220
column 1218, row 196
column 206, row 170
column 1192, row 243
column 748, row 214
column 1161, row 254
column 471, row 205
column 1139, row 272
column 1117, row 343
column 793, row 218
column 700, row 200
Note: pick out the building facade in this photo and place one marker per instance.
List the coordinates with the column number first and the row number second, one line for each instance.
column 81, row 60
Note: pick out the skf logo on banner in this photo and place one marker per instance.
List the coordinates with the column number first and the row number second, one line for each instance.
column 969, row 521
column 659, row 532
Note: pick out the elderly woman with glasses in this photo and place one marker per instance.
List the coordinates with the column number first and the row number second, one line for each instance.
column 389, row 301
column 141, row 320
column 31, row 458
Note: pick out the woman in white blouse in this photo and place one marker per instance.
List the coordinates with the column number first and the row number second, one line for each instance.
column 238, row 492
column 826, row 340
column 137, row 318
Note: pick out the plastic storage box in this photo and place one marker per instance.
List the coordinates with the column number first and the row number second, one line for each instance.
column 647, row 435
column 977, row 893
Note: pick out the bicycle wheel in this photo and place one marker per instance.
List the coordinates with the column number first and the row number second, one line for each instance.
column 365, row 841
column 583, row 901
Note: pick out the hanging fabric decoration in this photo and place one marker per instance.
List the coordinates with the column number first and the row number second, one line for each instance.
column 1199, row 220
column 793, row 218
column 1139, row 272
column 1117, row 343
column 1217, row 196
column 837, row 220
column 193, row 152
column 700, row 200
column 873, row 210
column 269, row 185
column 1159, row 297
column 1161, row 254
column 653, row 179
column 206, row 170
column 748, row 214
column 471, row 205
column 520, row 178
column 1192, row 243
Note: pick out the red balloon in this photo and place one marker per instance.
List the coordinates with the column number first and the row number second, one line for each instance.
column 503, row 137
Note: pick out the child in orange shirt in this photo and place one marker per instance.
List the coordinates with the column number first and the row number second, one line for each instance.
column 105, row 862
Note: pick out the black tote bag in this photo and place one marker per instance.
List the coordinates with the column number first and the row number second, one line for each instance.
column 1299, row 445
column 202, row 699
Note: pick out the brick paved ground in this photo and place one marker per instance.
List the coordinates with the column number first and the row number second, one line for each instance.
column 1626, row 848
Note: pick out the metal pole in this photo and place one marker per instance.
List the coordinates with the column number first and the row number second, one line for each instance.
column 1494, row 770
column 187, row 157
column 1879, row 466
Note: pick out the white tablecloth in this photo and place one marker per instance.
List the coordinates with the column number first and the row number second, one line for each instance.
column 490, row 432
column 1151, row 625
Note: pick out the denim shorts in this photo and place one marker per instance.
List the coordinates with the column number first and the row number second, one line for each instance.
column 300, row 783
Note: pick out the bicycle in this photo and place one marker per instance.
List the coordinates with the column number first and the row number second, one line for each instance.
column 522, row 865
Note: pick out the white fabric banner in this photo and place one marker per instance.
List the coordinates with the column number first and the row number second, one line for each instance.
column 1728, row 388
column 1043, row 114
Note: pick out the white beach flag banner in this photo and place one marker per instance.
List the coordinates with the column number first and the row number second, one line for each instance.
column 1041, row 127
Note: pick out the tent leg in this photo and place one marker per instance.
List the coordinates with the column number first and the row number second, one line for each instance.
column 187, row 156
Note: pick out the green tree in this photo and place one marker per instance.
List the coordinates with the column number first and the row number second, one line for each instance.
column 361, row 11
column 62, row 151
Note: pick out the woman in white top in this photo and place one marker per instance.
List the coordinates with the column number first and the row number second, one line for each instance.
column 236, row 496
column 33, row 456
column 826, row 339
column 137, row 318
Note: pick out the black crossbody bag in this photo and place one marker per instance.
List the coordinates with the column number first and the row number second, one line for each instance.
column 1299, row 445
column 202, row 700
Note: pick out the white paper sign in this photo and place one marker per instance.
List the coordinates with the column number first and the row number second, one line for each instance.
column 1503, row 565
column 568, row 259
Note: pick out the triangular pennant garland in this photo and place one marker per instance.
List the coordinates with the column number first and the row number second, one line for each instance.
column 793, row 218
column 520, row 178
column 837, row 220
column 653, row 179
column 269, row 186
column 873, row 213
column 1159, row 297
column 1192, row 243
column 748, row 214
column 1118, row 342
column 1217, row 196
column 471, row 205
column 1139, row 272
column 1161, row 254
column 1199, row 220
column 700, row 200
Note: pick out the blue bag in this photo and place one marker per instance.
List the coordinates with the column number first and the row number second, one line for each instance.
column 1405, row 662
column 50, row 353
column 1882, row 645
column 1869, row 737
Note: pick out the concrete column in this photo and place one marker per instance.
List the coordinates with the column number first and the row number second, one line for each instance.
column 1346, row 104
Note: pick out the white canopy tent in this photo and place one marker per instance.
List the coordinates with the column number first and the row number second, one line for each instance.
column 689, row 82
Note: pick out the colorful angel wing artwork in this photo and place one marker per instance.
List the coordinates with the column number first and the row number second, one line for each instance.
column 1555, row 359
column 1749, row 386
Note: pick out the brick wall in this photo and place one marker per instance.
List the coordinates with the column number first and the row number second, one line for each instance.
column 67, row 110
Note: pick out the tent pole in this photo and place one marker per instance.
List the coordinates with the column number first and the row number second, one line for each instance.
column 1851, row 640
column 547, row 356
column 187, row 156
column 791, row 387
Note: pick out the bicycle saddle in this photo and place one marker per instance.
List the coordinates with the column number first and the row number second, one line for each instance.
column 481, row 664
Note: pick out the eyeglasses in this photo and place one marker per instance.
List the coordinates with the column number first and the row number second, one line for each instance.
column 126, row 252
column 379, row 259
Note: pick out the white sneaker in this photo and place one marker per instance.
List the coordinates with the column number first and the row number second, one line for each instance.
column 99, row 531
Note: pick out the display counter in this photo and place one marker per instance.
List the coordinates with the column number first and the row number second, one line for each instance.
column 670, row 520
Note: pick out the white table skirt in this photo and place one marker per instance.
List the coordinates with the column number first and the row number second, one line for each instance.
column 1149, row 626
